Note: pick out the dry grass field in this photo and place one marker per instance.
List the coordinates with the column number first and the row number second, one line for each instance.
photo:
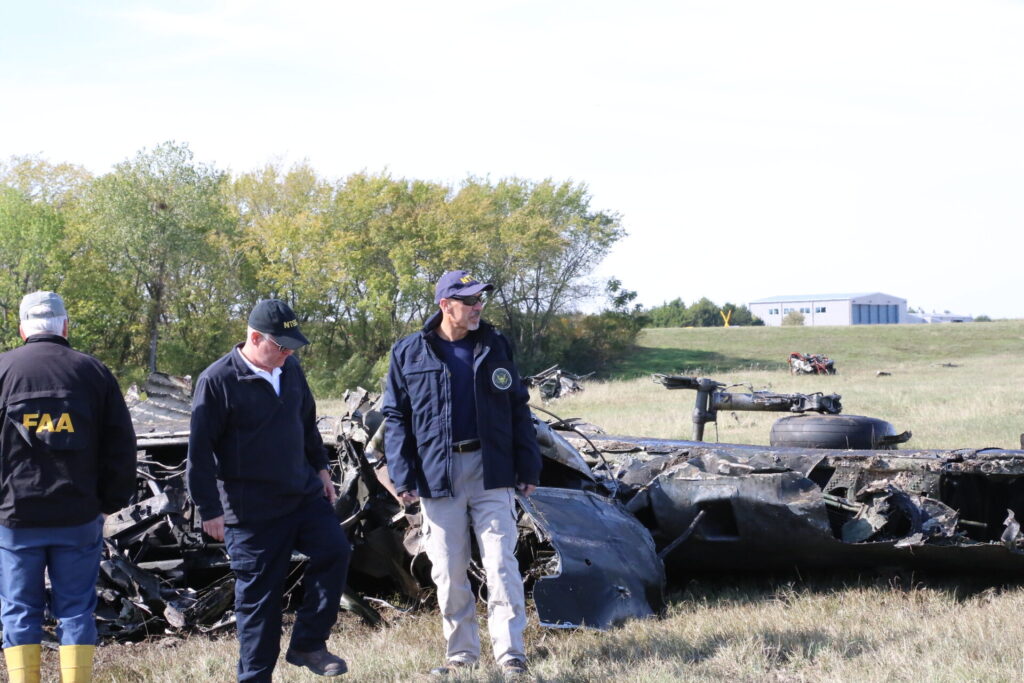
column 736, row 630
column 977, row 403
column 876, row 627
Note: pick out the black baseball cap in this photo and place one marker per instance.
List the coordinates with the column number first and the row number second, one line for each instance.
column 276, row 318
column 458, row 283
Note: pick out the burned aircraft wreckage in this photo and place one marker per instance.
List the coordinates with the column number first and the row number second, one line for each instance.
column 613, row 513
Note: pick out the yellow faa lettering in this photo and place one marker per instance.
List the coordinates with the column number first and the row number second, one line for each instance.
column 43, row 422
column 64, row 424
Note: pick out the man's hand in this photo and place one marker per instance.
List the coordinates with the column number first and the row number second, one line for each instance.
column 409, row 497
column 329, row 493
column 526, row 489
column 214, row 528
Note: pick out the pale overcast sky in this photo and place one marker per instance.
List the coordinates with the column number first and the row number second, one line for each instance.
column 753, row 148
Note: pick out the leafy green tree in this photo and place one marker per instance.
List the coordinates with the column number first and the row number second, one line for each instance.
column 281, row 218
column 161, row 258
column 704, row 313
column 38, row 201
column 60, row 186
column 537, row 243
column 620, row 298
column 356, row 259
column 740, row 316
column 670, row 314
column 31, row 244
column 154, row 221
column 396, row 240
column 793, row 319
column 590, row 343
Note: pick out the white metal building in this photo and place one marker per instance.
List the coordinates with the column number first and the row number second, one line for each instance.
column 870, row 308
column 934, row 317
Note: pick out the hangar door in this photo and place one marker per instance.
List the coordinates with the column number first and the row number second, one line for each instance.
column 876, row 314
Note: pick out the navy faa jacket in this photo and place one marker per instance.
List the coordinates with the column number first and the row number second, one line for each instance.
column 417, row 413
column 252, row 455
column 67, row 447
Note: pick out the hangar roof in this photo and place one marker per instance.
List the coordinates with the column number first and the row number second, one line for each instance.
column 821, row 297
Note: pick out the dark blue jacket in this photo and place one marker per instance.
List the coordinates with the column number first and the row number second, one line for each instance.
column 67, row 447
column 252, row 455
column 417, row 413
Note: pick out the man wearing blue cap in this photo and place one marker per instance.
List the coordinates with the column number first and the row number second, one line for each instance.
column 67, row 456
column 257, row 471
column 460, row 439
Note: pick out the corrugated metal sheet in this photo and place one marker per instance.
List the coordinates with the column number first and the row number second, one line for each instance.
column 164, row 415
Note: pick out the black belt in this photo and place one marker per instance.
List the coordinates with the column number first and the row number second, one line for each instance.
column 466, row 446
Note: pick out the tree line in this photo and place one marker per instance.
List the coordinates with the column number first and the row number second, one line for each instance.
column 161, row 259
column 702, row 313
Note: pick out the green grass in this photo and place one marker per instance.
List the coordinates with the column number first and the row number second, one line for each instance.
column 720, row 349
column 849, row 628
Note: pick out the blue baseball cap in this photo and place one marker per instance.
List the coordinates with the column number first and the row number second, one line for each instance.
column 458, row 283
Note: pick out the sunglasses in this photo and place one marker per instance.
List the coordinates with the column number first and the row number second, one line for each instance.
column 280, row 348
column 469, row 300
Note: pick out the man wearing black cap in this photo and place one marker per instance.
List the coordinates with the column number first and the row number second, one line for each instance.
column 459, row 438
column 67, row 455
column 257, row 471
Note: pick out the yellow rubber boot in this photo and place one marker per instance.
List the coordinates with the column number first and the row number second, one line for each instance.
column 76, row 663
column 22, row 663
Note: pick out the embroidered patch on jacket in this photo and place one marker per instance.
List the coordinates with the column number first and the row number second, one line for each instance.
column 501, row 379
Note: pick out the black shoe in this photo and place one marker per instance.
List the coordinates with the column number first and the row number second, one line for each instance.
column 451, row 667
column 320, row 662
column 513, row 669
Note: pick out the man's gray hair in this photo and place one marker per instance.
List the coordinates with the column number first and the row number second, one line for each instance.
column 43, row 326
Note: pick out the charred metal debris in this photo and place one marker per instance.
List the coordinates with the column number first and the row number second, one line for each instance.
column 612, row 514
column 811, row 364
column 555, row 382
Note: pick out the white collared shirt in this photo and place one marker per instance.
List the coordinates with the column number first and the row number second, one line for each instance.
column 273, row 377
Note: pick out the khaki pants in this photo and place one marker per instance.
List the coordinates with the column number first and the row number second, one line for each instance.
column 447, row 523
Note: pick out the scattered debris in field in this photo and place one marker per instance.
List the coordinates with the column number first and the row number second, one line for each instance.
column 713, row 396
column 777, row 508
column 811, row 364
column 595, row 540
column 554, row 382
column 160, row 574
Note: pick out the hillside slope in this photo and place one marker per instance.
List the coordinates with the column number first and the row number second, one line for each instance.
column 975, row 404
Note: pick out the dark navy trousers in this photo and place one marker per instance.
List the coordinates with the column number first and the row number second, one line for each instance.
column 260, row 556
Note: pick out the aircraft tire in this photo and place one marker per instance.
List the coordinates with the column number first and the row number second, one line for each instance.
column 832, row 431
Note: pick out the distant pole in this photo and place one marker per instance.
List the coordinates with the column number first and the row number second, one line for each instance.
column 725, row 316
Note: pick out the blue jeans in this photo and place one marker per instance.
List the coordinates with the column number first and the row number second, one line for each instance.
column 260, row 556
column 71, row 555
